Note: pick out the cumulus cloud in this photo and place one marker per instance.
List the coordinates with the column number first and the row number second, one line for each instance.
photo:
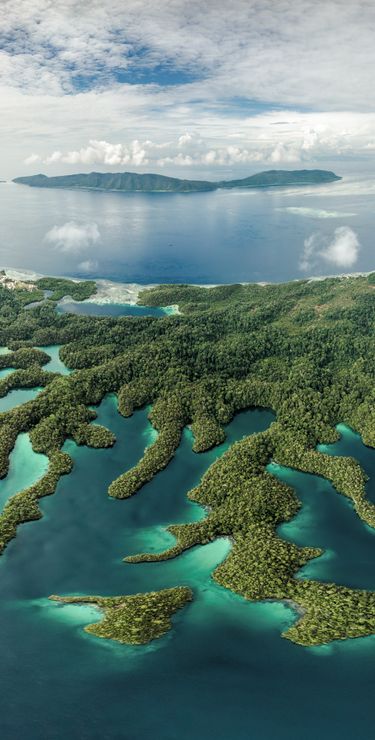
column 272, row 138
column 73, row 237
column 310, row 53
column 88, row 266
column 103, row 152
column 33, row 159
column 284, row 153
column 187, row 150
column 75, row 73
column 341, row 250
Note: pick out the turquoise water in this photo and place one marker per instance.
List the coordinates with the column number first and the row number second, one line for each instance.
column 25, row 468
column 327, row 520
column 109, row 309
column 350, row 445
column 222, row 672
column 18, row 396
column 55, row 365
column 5, row 371
column 21, row 395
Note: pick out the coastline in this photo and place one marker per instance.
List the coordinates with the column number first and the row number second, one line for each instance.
column 110, row 292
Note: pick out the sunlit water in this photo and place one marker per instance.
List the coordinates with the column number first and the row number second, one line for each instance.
column 223, row 236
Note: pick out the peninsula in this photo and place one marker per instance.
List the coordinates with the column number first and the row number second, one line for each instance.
column 150, row 183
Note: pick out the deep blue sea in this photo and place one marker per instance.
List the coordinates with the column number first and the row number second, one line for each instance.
column 219, row 237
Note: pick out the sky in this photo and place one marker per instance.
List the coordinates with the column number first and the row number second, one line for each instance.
column 185, row 87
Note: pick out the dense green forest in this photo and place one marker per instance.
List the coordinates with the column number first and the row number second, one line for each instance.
column 148, row 183
column 134, row 620
column 304, row 349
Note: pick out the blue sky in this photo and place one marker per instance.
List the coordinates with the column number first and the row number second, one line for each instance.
column 188, row 88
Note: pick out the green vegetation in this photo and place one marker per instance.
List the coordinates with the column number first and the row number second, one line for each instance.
column 134, row 620
column 304, row 349
column 282, row 178
column 23, row 358
column 132, row 182
column 125, row 181
column 60, row 287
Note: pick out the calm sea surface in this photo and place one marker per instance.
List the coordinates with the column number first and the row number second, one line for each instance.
column 224, row 236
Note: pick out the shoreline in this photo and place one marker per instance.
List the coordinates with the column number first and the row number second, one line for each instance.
column 111, row 292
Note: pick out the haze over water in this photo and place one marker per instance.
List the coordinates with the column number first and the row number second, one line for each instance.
column 215, row 237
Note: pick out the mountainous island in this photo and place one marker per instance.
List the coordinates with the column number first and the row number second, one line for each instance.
column 304, row 350
column 149, row 183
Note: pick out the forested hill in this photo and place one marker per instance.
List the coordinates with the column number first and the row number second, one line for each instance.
column 133, row 182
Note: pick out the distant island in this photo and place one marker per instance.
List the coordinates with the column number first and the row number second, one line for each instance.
column 149, row 183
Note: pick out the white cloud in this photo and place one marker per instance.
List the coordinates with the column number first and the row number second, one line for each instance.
column 284, row 153
column 88, row 266
column 73, row 237
column 103, row 152
column 33, row 159
column 187, row 150
column 272, row 139
column 342, row 250
column 309, row 249
column 61, row 62
column 314, row 54
column 184, row 139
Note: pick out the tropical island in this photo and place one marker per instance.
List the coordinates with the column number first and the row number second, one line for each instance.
column 303, row 349
column 150, row 183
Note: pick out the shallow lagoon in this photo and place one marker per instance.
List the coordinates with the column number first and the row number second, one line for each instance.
column 55, row 365
column 224, row 657
column 25, row 468
column 90, row 308
column 18, row 396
